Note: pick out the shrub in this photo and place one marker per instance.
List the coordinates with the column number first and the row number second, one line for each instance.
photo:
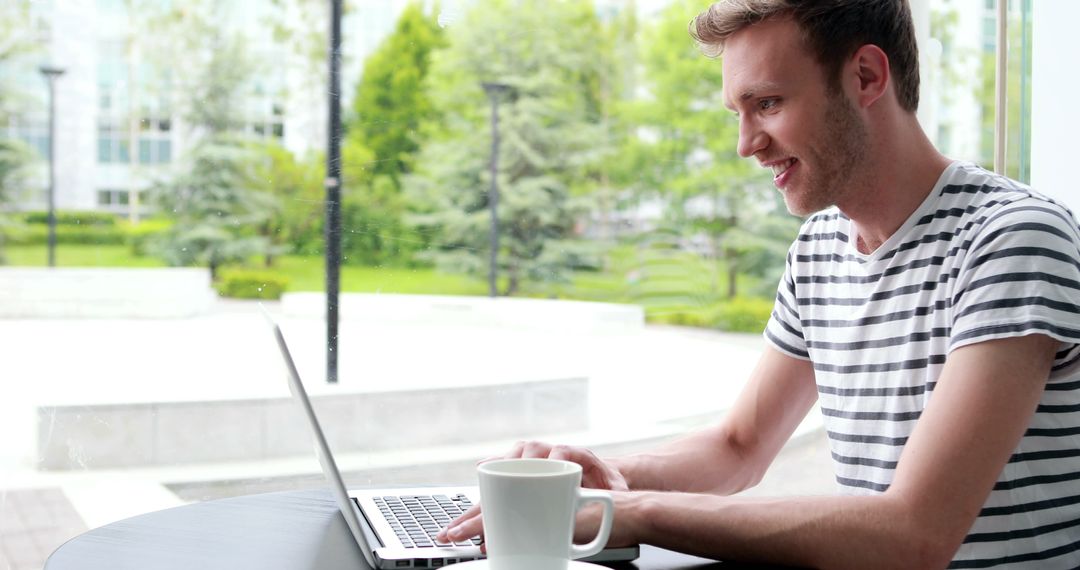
column 72, row 218
column 744, row 314
column 140, row 236
column 38, row 234
column 251, row 284
column 683, row 316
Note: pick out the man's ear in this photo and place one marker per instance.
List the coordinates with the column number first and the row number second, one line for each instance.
column 869, row 74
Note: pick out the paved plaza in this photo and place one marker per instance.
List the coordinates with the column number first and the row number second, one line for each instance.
column 645, row 385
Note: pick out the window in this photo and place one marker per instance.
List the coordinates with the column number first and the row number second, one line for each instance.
column 962, row 96
column 111, row 199
column 629, row 234
column 153, row 136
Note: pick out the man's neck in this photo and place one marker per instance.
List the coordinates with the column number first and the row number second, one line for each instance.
column 901, row 174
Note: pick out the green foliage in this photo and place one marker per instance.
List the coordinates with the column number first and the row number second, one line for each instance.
column 251, row 284
column 86, row 228
column 78, row 255
column 390, row 107
column 296, row 185
column 214, row 206
column 741, row 314
column 391, row 102
column 687, row 157
column 373, row 228
column 19, row 52
column 142, row 236
column 551, row 130
column 72, row 218
column 36, row 234
column 218, row 64
column 744, row 314
column 72, row 227
column 16, row 163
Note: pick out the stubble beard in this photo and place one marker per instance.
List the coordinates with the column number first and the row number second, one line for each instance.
column 836, row 156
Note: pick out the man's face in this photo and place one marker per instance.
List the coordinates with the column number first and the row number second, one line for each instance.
column 809, row 135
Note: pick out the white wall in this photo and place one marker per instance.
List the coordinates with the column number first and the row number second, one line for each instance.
column 1055, row 118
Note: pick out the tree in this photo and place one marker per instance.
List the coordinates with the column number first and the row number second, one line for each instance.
column 551, row 133
column 17, row 160
column 391, row 102
column 212, row 196
column 687, row 155
column 16, row 42
column 215, row 207
column 16, row 163
column 296, row 187
column 382, row 139
column 218, row 66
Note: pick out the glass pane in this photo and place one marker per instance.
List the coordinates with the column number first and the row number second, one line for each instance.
column 636, row 260
column 105, row 153
column 144, row 151
column 962, row 80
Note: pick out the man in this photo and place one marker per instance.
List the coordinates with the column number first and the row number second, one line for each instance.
column 930, row 307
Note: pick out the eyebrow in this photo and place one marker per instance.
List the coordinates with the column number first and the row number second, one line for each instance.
column 753, row 91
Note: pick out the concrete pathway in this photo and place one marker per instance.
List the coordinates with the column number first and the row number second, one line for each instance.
column 644, row 384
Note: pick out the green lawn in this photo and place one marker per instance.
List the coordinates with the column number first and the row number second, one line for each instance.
column 309, row 274
column 78, row 256
column 304, row 273
column 673, row 290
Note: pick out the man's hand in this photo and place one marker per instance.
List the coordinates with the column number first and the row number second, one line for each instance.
column 595, row 474
column 586, row 526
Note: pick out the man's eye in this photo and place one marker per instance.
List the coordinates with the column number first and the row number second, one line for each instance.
column 767, row 104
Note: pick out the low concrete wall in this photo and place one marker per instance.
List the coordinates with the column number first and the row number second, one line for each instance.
column 557, row 315
column 82, row 292
column 130, row 435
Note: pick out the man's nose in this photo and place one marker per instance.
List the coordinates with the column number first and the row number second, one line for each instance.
column 751, row 138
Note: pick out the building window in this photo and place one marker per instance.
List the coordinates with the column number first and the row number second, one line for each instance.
column 115, row 199
column 155, row 144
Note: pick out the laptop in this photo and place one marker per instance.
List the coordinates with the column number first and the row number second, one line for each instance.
column 395, row 528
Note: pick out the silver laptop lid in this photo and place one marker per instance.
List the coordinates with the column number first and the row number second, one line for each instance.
column 326, row 459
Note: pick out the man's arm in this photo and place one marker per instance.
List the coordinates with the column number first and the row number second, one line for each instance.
column 982, row 404
column 734, row 454
column 724, row 459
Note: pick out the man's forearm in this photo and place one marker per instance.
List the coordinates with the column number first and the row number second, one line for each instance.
column 878, row 532
column 702, row 462
column 733, row 455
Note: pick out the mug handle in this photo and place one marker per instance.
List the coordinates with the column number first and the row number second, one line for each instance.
column 584, row 497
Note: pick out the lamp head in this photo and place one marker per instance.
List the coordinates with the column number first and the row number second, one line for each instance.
column 495, row 89
column 51, row 71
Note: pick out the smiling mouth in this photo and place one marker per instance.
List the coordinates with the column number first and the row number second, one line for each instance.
column 780, row 168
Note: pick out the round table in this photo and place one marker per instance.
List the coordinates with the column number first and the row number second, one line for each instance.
column 289, row 530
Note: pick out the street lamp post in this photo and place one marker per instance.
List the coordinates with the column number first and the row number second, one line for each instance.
column 51, row 72
column 494, row 92
column 333, row 196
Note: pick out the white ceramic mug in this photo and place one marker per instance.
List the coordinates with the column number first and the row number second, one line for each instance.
column 529, row 508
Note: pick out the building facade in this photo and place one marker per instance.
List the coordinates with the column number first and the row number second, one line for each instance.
column 118, row 122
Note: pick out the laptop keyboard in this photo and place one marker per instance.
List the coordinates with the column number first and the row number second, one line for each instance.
column 416, row 519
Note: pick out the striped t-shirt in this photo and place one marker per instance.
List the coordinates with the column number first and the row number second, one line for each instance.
column 982, row 258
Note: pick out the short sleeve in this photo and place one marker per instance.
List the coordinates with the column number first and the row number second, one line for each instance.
column 784, row 330
column 1021, row 276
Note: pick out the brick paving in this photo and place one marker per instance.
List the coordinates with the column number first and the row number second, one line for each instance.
column 33, row 523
